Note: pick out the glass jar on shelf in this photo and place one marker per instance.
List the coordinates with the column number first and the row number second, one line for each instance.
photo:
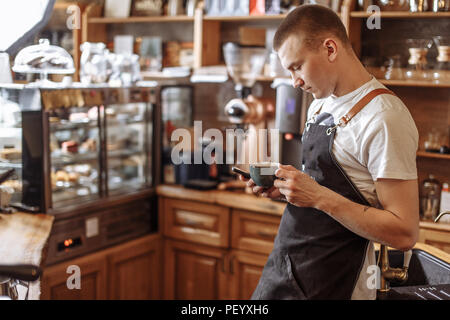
column 394, row 70
column 393, row 5
column 435, row 140
column 441, row 72
column 94, row 63
column 418, row 68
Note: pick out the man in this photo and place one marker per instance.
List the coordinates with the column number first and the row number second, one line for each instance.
column 359, row 179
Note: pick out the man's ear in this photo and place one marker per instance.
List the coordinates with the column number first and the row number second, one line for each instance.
column 332, row 49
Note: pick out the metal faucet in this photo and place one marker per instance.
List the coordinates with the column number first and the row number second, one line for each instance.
column 399, row 275
column 388, row 274
column 440, row 215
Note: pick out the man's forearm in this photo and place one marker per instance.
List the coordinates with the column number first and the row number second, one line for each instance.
column 378, row 225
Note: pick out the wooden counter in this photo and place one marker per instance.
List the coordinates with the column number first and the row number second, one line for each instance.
column 23, row 237
column 232, row 199
column 432, row 235
column 241, row 200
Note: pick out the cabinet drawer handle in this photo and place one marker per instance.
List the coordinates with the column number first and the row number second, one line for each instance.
column 223, row 263
column 231, row 265
column 192, row 223
column 265, row 234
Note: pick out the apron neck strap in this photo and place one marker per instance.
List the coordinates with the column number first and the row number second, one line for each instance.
column 358, row 107
column 362, row 103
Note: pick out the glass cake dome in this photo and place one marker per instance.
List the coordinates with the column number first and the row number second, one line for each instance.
column 44, row 59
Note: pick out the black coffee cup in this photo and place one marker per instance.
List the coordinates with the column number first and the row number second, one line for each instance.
column 263, row 173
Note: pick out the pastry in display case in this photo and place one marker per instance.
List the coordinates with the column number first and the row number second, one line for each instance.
column 128, row 131
column 74, row 146
column 71, row 146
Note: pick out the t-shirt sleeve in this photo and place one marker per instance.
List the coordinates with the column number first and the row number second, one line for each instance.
column 390, row 145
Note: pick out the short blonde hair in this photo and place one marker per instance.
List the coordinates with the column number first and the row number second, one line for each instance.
column 314, row 23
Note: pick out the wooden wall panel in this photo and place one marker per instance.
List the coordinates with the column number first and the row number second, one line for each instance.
column 430, row 109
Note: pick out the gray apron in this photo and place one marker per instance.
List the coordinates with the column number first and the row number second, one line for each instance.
column 314, row 256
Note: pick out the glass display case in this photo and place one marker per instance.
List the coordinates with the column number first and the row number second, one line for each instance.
column 128, row 145
column 74, row 148
column 75, row 145
column 11, row 142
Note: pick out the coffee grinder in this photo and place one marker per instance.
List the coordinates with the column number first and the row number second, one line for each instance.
column 289, row 120
column 248, row 112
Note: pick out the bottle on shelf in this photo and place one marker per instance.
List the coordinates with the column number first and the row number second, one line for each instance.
column 430, row 194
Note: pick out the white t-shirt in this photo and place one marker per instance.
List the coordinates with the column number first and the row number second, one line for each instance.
column 379, row 142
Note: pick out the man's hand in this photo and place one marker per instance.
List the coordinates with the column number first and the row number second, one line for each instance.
column 272, row 193
column 298, row 187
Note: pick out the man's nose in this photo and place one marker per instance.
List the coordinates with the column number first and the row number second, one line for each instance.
column 298, row 82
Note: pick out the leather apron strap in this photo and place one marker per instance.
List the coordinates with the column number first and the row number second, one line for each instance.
column 359, row 106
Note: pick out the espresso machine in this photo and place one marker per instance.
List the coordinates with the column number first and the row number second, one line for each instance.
column 248, row 112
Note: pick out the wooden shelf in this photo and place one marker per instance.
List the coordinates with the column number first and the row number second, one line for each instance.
column 103, row 20
column 393, row 83
column 245, row 18
column 401, row 14
column 155, row 76
column 424, row 154
column 413, row 83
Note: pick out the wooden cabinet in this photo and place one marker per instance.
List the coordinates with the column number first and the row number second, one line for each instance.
column 194, row 271
column 245, row 270
column 92, row 269
column 128, row 271
column 213, row 269
column 197, row 222
column 254, row 232
column 134, row 270
column 93, row 281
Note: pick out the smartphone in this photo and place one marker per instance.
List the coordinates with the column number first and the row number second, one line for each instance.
column 241, row 172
